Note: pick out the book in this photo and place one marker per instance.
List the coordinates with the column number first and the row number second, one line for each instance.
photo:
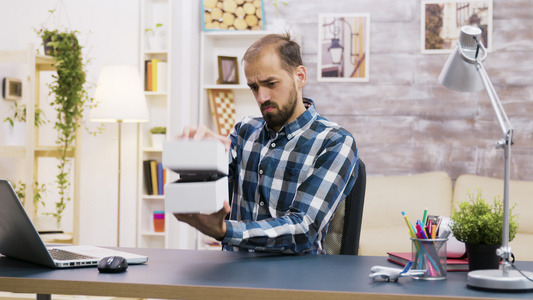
column 148, row 177
column 155, row 63
column 162, row 76
column 160, row 178
column 148, row 78
column 452, row 264
column 153, row 172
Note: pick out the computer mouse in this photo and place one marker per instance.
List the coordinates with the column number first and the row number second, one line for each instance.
column 112, row 264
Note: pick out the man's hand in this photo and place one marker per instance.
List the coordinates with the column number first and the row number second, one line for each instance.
column 212, row 225
column 203, row 132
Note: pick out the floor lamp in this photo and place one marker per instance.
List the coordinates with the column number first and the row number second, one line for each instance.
column 120, row 98
column 464, row 72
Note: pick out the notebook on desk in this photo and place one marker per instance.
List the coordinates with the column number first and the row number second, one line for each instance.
column 19, row 239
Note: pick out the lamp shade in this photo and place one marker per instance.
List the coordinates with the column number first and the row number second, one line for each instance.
column 119, row 96
column 459, row 72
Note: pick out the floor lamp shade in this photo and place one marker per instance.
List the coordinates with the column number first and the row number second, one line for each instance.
column 119, row 96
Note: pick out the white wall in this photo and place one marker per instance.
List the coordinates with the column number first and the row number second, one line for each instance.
column 109, row 32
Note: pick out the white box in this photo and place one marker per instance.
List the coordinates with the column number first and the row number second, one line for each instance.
column 204, row 197
column 195, row 157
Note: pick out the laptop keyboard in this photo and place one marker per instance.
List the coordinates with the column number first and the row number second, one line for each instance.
column 60, row 254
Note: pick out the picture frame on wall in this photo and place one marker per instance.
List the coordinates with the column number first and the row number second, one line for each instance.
column 232, row 15
column 343, row 47
column 228, row 70
column 12, row 89
column 441, row 23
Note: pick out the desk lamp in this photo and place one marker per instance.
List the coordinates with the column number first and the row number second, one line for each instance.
column 464, row 72
column 120, row 97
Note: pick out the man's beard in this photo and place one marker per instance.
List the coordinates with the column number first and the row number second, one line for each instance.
column 280, row 116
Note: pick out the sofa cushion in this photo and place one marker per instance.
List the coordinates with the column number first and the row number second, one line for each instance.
column 384, row 229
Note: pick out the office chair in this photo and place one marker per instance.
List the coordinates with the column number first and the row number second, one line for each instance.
column 344, row 228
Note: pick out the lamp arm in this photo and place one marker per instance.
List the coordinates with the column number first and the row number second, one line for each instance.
column 505, row 251
column 503, row 120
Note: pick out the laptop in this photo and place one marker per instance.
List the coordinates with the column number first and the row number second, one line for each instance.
column 19, row 239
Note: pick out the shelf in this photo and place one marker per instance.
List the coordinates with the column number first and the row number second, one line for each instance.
column 159, row 105
column 227, row 86
column 153, row 233
column 155, row 93
column 13, row 151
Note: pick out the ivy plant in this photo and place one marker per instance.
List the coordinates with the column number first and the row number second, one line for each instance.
column 19, row 115
column 38, row 191
column 69, row 91
column 478, row 222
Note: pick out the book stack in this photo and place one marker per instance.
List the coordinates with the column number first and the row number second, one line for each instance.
column 155, row 75
column 452, row 264
column 154, row 177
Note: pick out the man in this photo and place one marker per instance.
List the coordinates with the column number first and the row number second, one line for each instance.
column 290, row 169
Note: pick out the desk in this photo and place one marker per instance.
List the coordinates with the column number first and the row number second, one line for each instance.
column 189, row 274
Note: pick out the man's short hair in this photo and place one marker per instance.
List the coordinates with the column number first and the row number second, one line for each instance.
column 287, row 49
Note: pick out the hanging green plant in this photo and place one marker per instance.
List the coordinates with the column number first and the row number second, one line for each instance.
column 70, row 99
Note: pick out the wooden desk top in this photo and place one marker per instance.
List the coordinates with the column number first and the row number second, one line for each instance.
column 189, row 274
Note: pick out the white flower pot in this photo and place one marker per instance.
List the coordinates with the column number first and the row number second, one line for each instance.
column 156, row 43
column 157, row 140
column 14, row 135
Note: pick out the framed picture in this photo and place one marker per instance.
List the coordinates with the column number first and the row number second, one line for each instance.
column 232, row 15
column 11, row 89
column 441, row 23
column 343, row 47
column 228, row 71
column 222, row 105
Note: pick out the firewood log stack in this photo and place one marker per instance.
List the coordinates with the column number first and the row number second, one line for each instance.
column 233, row 14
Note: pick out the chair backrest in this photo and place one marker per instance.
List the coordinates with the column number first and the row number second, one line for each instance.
column 344, row 228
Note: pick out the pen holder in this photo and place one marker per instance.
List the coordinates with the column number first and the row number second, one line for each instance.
column 159, row 221
column 429, row 255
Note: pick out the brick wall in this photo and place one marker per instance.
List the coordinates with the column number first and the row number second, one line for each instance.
column 403, row 120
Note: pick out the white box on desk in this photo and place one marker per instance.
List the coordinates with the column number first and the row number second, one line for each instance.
column 195, row 157
column 204, row 197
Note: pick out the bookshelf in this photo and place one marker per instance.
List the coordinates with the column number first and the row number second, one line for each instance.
column 33, row 150
column 224, row 43
column 155, row 48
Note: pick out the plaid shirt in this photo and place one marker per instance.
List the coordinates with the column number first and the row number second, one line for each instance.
column 287, row 185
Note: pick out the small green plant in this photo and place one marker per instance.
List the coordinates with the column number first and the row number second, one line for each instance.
column 38, row 191
column 158, row 130
column 275, row 3
column 152, row 31
column 19, row 115
column 478, row 222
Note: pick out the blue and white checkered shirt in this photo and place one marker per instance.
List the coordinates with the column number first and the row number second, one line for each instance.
column 287, row 185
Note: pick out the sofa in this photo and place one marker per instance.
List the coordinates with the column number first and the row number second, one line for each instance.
column 384, row 229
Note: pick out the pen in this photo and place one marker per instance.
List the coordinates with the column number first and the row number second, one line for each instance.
column 411, row 230
column 425, row 216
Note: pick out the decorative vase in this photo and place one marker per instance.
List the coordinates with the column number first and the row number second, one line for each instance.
column 157, row 140
column 156, row 43
column 481, row 256
column 14, row 135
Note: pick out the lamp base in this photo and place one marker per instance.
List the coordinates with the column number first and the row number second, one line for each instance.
column 496, row 280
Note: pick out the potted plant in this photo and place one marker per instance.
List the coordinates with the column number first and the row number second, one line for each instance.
column 278, row 24
column 158, row 135
column 70, row 100
column 14, row 128
column 479, row 225
column 155, row 39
